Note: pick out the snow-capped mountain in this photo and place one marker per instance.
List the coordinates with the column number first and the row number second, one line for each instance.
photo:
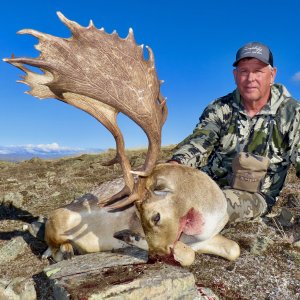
column 44, row 151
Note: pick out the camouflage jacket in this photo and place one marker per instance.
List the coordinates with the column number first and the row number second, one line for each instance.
column 224, row 129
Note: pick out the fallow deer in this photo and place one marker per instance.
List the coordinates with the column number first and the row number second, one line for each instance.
column 181, row 209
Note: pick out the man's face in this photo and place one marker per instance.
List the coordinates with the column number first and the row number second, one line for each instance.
column 253, row 79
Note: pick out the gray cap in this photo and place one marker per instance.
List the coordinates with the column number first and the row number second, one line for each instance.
column 255, row 50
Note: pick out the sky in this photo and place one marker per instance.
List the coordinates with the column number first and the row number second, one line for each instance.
column 194, row 44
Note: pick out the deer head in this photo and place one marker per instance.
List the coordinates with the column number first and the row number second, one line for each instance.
column 182, row 210
column 103, row 75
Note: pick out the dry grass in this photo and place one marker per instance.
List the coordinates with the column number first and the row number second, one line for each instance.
column 267, row 269
column 47, row 184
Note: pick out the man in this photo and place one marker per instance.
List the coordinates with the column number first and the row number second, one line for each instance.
column 256, row 126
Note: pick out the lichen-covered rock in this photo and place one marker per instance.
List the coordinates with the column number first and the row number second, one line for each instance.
column 18, row 288
column 121, row 275
column 12, row 198
column 12, row 249
column 260, row 244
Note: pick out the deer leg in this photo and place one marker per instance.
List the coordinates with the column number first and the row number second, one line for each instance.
column 132, row 238
column 217, row 245
column 67, row 250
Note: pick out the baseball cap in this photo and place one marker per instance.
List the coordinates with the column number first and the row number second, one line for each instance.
column 255, row 50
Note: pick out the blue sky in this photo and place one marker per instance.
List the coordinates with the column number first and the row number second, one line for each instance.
column 194, row 44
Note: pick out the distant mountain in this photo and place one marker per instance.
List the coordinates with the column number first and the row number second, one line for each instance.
column 43, row 151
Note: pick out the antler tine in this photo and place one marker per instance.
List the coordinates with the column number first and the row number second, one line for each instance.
column 91, row 24
column 130, row 36
column 73, row 26
column 39, row 35
column 120, row 204
column 163, row 102
column 28, row 61
column 151, row 56
column 16, row 64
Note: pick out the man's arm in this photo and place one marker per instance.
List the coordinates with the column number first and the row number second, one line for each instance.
column 294, row 137
column 195, row 149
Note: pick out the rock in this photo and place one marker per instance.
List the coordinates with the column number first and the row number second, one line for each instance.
column 13, row 198
column 37, row 228
column 207, row 294
column 95, row 261
column 286, row 217
column 122, row 275
column 169, row 282
column 260, row 245
column 297, row 244
column 293, row 255
column 18, row 288
column 108, row 188
column 12, row 249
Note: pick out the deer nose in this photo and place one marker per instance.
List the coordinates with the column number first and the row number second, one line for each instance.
column 159, row 251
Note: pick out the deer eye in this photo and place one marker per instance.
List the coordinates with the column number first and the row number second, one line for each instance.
column 156, row 218
column 160, row 192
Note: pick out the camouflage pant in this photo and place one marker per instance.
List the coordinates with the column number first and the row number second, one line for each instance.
column 242, row 205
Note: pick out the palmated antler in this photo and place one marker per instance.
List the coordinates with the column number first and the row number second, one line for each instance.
column 103, row 75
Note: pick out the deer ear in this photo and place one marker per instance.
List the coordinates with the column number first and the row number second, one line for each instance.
column 192, row 223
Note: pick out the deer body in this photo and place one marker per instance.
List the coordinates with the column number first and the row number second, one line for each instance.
column 84, row 227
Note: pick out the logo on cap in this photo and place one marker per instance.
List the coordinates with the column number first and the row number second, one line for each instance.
column 252, row 50
column 255, row 50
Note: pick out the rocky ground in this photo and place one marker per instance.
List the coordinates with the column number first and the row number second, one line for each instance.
column 268, row 268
